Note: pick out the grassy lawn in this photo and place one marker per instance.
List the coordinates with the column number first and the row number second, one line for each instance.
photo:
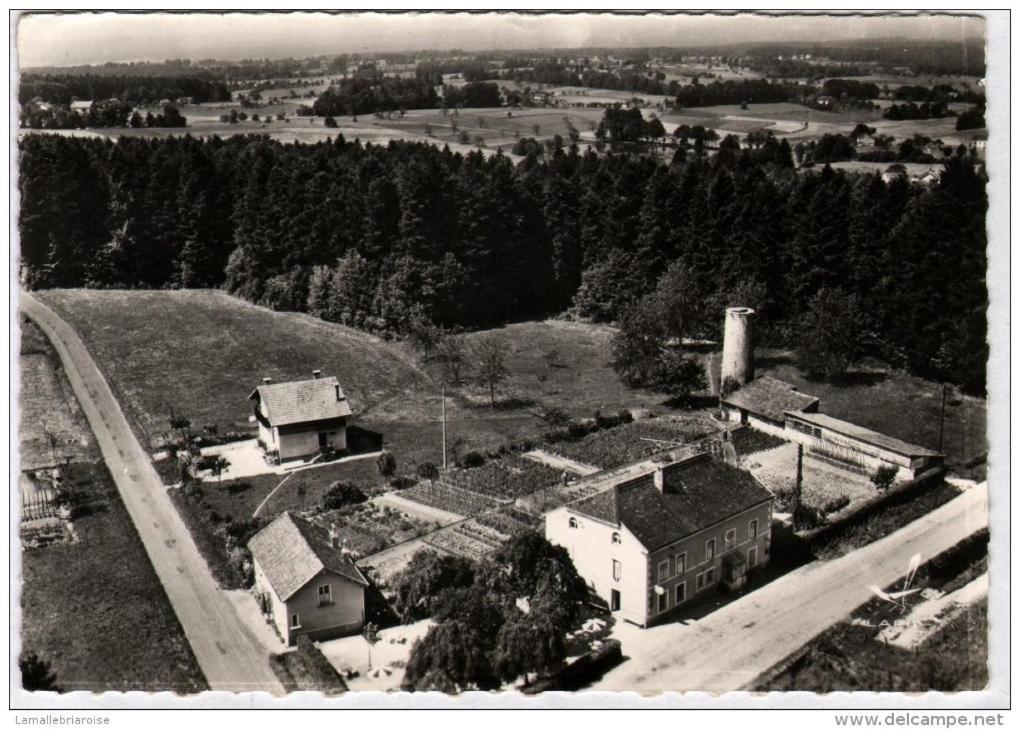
column 96, row 610
column 850, row 656
column 209, row 350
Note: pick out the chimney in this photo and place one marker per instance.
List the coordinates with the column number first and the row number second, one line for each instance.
column 267, row 380
column 339, row 397
column 334, row 537
column 316, row 374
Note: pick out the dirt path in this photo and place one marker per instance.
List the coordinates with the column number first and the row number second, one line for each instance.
column 560, row 463
column 416, row 510
column 729, row 648
column 229, row 655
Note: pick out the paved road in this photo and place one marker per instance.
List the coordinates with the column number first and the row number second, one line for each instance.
column 729, row 648
column 229, row 655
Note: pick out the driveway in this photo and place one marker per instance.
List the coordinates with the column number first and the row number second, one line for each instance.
column 229, row 655
column 729, row 648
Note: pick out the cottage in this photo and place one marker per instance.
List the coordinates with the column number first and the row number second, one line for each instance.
column 856, row 447
column 306, row 582
column 298, row 419
column 651, row 544
column 764, row 402
column 82, row 106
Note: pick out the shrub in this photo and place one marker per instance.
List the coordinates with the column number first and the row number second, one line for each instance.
column 428, row 470
column 884, row 477
column 473, row 459
column 401, row 482
column 386, row 464
column 329, row 122
column 341, row 494
column 835, row 503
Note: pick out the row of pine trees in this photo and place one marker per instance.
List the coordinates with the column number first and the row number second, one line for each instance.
column 383, row 237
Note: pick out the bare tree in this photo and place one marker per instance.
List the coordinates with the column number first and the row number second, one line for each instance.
column 490, row 352
column 452, row 355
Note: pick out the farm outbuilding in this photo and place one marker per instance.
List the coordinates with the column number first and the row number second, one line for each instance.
column 301, row 418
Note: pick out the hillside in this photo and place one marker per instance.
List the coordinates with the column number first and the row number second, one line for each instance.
column 202, row 351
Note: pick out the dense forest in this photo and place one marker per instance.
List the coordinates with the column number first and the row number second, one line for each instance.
column 756, row 91
column 382, row 237
column 62, row 89
column 367, row 93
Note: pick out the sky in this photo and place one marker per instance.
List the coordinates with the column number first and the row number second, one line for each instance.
column 73, row 39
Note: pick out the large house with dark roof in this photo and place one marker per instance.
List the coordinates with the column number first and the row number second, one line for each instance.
column 652, row 544
column 299, row 419
column 307, row 584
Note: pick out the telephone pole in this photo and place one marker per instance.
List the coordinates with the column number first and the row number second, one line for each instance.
column 942, row 421
column 799, row 487
column 444, row 426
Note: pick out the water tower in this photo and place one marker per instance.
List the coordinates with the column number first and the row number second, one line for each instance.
column 738, row 346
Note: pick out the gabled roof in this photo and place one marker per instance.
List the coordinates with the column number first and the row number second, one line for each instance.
column 770, row 397
column 292, row 550
column 697, row 493
column 303, row 401
column 859, row 432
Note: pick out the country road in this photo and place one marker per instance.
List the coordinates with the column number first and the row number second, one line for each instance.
column 728, row 649
column 229, row 655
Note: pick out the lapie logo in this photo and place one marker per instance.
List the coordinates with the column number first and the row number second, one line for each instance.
column 898, row 599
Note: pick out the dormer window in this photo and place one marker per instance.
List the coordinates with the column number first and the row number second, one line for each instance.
column 616, row 537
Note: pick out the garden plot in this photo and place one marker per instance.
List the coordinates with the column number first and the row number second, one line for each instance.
column 824, row 486
column 505, row 478
column 369, row 527
column 468, row 539
column 444, row 495
column 632, row 442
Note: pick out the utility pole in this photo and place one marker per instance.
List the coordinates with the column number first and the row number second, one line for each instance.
column 444, row 426
column 942, row 421
column 798, row 488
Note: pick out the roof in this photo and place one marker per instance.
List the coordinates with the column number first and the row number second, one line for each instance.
column 865, row 435
column 303, row 401
column 770, row 397
column 83, row 104
column 697, row 493
column 292, row 550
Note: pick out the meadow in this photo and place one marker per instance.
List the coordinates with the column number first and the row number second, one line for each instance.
column 94, row 608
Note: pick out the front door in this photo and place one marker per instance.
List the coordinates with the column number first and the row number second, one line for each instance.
column 323, row 440
column 614, row 600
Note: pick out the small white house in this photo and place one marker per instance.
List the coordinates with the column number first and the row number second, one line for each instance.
column 299, row 419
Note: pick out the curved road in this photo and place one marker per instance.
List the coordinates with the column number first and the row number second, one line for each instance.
column 728, row 649
column 229, row 655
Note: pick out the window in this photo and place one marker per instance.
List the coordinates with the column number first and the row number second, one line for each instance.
column 663, row 570
column 752, row 529
column 710, row 549
column 709, row 576
column 752, row 557
column 699, row 582
column 681, row 563
column 617, row 570
column 572, row 523
column 616, row 537
column 325, row 595
column 295, row 620
column 681, row 593
column 729, row 539
column 663, row 601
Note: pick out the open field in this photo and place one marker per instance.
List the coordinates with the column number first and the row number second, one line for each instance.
column 210, row 350
column 48, row 407
column 93, row 607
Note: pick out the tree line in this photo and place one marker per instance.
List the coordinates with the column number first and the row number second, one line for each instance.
column 367, row 93
column 64, row 88
column 383, row 238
